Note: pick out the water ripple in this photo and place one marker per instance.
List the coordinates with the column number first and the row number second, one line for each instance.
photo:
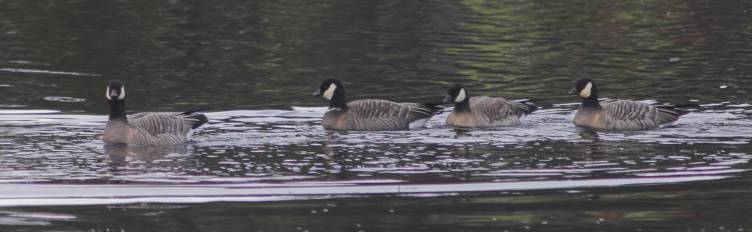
column 288, row 147
column 39, row 71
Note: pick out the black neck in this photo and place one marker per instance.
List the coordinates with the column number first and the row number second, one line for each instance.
column 464, row 105
column 338, row 99
column 117, row 109
column 592, row 100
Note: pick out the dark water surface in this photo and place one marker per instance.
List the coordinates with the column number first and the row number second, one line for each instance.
column 264, row 163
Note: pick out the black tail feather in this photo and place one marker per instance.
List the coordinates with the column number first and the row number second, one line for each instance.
column 530, row 106
column 673, row 110
column 200, row 118
column 196, row 110
column 679, row 112
column 688, row 105
column 435, row 107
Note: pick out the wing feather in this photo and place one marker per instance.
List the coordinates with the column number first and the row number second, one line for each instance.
column 376, row 114
column 497, row 110
column 162, row 123
column 624, row 114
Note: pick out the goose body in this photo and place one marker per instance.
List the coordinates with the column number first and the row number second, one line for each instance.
column 146, row 128
column 152, row 128
column 619, row 114
column 484, row 111
column 370, row 114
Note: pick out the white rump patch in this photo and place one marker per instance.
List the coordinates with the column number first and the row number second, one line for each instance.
column 329, row 93
column 585, row 92
column 460, row 96
column 107, row 94
column 418, row 123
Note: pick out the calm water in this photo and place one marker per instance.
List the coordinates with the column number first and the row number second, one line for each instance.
column 264, row 163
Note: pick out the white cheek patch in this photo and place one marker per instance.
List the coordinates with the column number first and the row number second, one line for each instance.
column 122, row 93
column 460, row 96
column 329, row 93
column 585, row 92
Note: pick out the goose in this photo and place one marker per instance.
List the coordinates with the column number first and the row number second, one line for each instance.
column 484, row 111
column 618, row 114
column 145, row 128
column 370, row 114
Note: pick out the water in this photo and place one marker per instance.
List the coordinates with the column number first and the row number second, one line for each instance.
column 264, row 163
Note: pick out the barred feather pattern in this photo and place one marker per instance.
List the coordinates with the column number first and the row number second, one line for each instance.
column 490, row 112
column 626, row 115
column 376, row 114
column 152, row 128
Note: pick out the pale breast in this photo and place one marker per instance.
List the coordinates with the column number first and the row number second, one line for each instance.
column 117, row 133
column 120, row 137
column 589, row 118
column 335, row 120
column 462, row 119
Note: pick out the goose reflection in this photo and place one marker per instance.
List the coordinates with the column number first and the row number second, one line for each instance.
column 122, row 154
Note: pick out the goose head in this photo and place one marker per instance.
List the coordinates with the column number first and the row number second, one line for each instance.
column 456, row 94
column 115, row 91
column 333, row 91
column 585, row 88
column 329, row 89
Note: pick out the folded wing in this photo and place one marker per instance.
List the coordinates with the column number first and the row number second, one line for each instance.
column 375, row 114
column 623, row 114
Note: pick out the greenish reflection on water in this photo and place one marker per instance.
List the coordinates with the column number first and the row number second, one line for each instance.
column 256, row 55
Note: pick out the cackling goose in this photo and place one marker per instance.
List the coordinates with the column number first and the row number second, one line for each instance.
column 618, row 114
column 484, row 111
column 370, row 114
column 146, row 128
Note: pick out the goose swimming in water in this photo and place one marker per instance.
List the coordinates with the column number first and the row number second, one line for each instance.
column 618, row 114
column 484, row 111
column 146, row 128
column 370, row 114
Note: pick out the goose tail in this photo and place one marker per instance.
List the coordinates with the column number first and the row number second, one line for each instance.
column 196, row 110
column 198, row 119
column 529, row 106
column 433, row 106
column 673, row 108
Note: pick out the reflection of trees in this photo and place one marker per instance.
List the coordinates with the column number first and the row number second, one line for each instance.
column 268, row 52
column 663, row 44
column 259, row 50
